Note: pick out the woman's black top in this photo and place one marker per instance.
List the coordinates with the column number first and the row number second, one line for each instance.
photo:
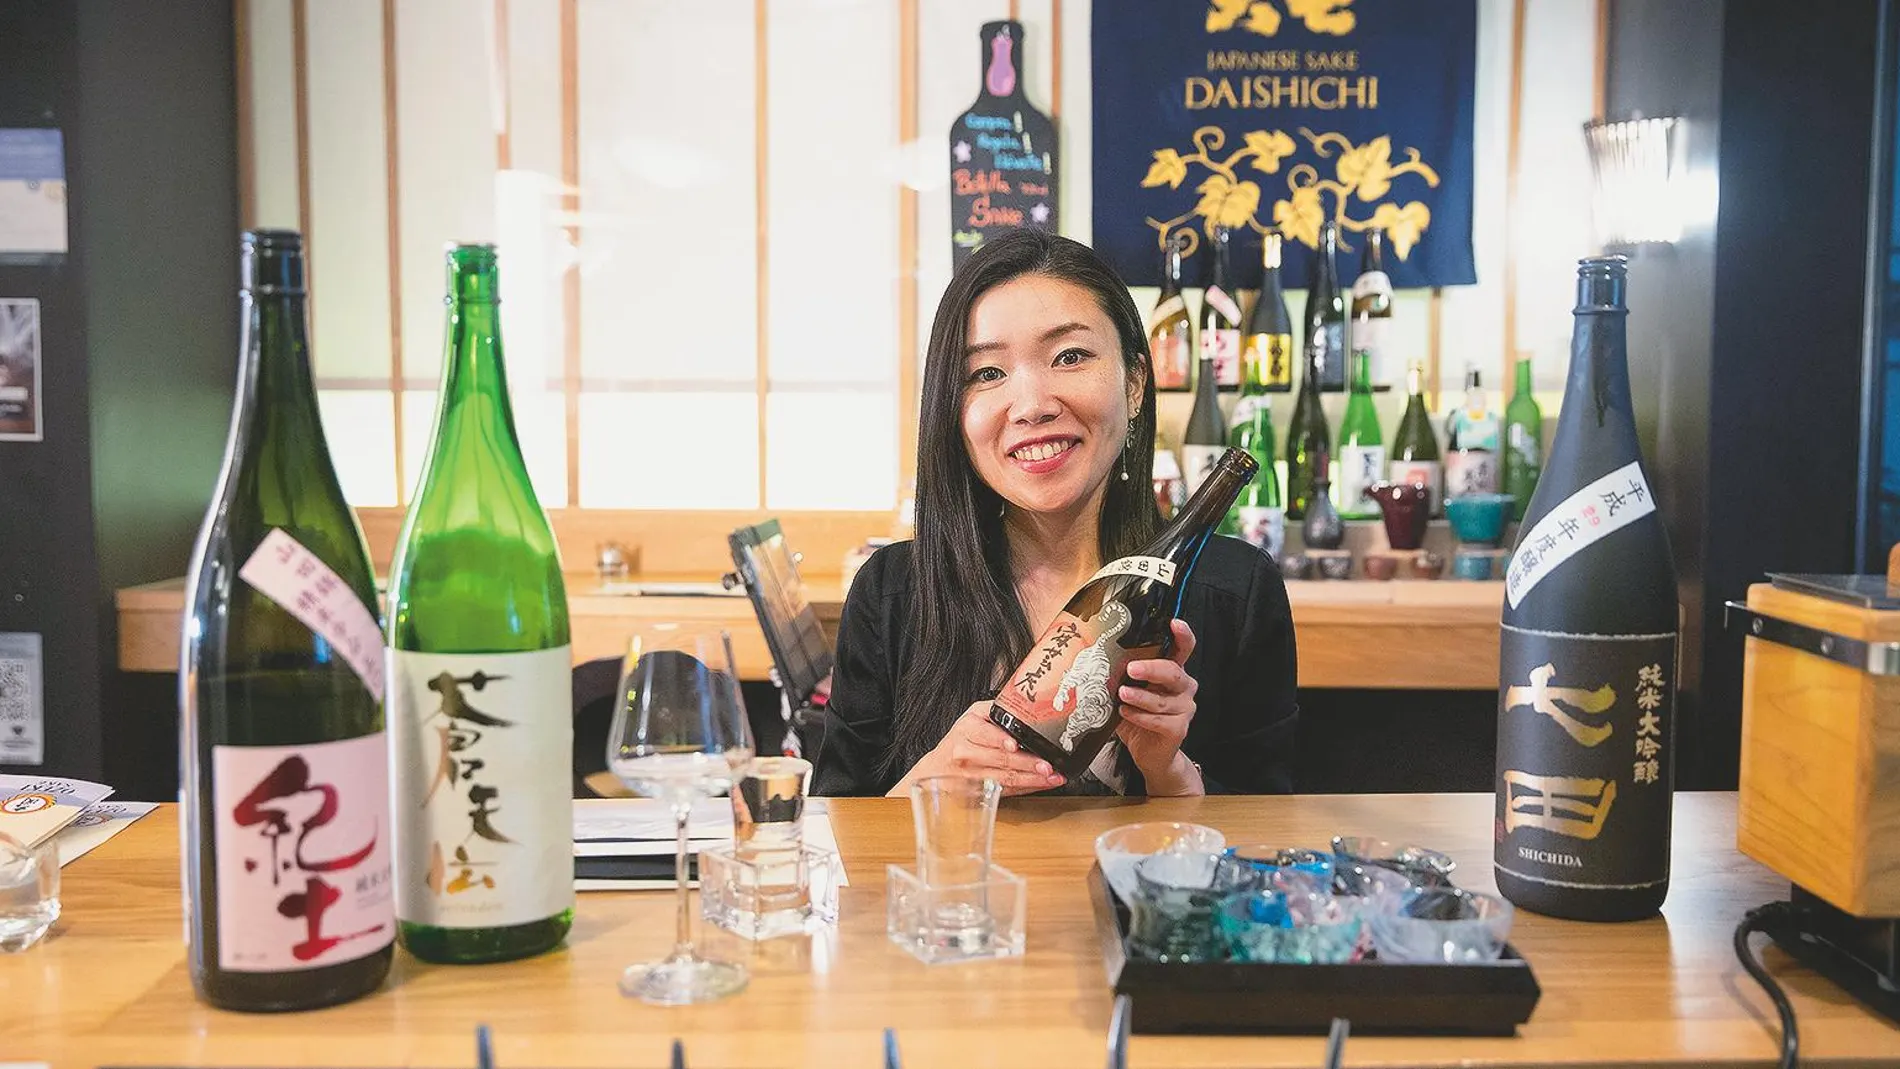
column 1246, row 707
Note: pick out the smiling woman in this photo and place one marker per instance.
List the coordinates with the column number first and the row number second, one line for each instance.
column 1035, row 447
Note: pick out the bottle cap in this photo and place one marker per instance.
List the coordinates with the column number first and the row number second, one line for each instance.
column 270, row 263
column 1601, row 281
column 472, row 274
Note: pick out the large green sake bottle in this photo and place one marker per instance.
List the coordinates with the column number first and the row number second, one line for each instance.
column 480, row 706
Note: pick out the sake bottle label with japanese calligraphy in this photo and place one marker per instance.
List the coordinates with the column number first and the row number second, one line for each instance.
column 303, row 854
column 481, row 842
column 1062, row 702
column 1586, row 786
column 1586, row 694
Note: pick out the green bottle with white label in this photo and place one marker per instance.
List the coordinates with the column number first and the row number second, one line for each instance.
column 480, row 705
column 1361, row 444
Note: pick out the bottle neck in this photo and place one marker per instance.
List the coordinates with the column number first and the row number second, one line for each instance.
column 474, row 376
column 1171, row 282
column 1206, row 507
column 1524, row 377
column 1362, row 373
column 1220, row 264
column 274, row 382
column 1599, row 369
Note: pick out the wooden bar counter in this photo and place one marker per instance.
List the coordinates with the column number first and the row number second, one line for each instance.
column 1439, row 635
column 109, row 986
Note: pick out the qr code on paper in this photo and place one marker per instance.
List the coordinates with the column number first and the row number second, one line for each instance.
column 20, row 713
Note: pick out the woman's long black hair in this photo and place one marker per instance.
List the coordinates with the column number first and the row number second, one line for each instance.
column 967, row 625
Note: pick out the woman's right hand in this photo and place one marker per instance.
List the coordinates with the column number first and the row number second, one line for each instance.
column 976, row 747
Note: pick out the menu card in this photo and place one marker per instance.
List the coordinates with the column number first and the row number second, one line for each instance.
column 33, row 809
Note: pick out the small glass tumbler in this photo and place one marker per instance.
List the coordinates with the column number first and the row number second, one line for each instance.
column 29, row 892
column 1315, row 865
column 1441, row 925
column 1176, row 897
column 955, row 818
column 1425, row 868
column 1119, row 850
column 768, row 821
column 1293, row 928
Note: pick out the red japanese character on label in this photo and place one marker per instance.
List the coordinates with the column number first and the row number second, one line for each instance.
column 285, row 803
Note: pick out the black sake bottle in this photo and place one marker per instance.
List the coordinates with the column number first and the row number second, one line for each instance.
column 1586, row 709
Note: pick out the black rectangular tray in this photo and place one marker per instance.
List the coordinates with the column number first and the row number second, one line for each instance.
column 1233, row 998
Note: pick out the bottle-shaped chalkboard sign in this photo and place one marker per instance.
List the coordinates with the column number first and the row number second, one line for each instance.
column 1003, row 156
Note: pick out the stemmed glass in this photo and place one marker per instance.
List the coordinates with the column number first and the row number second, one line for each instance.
column 679, row 734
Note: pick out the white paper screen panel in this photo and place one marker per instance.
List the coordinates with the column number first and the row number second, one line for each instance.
column 667, row 186
column 832, row 178
column 349, row 192
column 273, row 114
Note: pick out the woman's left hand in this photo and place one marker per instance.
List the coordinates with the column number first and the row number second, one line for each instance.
column 1155, row 718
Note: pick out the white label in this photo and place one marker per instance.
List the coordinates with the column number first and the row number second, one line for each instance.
column 1368, row 336
column 1471, row 471
column 482, row 760
column 302, row 585
column 1243, row 412
column 1264, row 527
column 302, row 840
column 1360, row 466
column 22, row 700
column 1609, row 504
column 1224, row 305
column 1223, row 347
column 1168, row 306
column 1407, row 472
column 1145, row 567
column 1198, row 462
column 1371, row 282
column 1525, row 445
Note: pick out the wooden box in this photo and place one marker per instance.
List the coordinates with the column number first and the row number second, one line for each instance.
column 1820, row 771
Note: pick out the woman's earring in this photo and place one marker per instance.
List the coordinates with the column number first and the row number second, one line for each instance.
column 1127, row 444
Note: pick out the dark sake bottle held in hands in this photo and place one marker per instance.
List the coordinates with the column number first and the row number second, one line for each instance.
column 284, row 760
column 480, row 703
column 1587, row 696
column 1061, row 703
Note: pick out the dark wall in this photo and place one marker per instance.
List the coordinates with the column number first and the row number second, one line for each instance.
column 159, row 216
column 140, row 351
column 1745, row 336
column 1666, row 59
column 1798, row 100
column 49, row 580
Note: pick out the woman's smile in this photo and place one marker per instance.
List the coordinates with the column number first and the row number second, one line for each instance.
column 1044, row 454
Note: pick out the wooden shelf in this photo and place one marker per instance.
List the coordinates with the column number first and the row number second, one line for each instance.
column 1398, row 635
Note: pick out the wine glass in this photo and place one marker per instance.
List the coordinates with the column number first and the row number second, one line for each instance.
column 679, row 734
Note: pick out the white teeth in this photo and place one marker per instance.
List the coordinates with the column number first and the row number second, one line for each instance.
column 1042, row 450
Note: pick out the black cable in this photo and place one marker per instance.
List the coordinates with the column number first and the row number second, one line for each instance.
column 1764, row 919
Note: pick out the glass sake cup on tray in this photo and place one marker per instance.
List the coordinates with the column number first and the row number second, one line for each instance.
column 1425, row 868
column 1271, row 861
column 1119, row 850
column 1291, row 927
column 1172, row 913
column 1443, row 924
